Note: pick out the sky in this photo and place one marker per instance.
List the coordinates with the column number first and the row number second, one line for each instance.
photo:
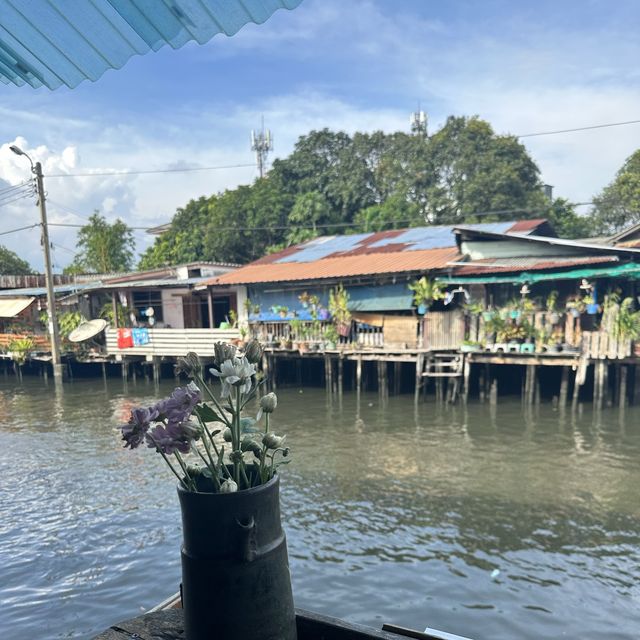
column 356, row 65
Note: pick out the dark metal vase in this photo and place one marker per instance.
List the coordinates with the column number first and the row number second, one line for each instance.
column 235, row 569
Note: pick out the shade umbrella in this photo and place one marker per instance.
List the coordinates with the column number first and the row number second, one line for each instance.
column 63, row 42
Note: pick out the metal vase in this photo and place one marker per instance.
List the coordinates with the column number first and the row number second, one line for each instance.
column 235, row 569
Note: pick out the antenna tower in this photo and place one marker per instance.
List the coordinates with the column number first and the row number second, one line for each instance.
column 418, row 122
column 261, row 143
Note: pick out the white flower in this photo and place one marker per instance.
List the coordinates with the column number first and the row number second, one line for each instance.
column 235, row 373
column 228, row 486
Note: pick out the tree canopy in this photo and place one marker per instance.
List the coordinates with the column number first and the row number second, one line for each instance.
column 103, row 247
column 12, row 265
column 618, row 205
column 336, row 183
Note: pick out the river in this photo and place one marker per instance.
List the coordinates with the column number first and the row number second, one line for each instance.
column 494, row 523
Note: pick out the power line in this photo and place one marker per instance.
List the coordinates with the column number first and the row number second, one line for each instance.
column 32, row 226
column 6, row 190
column 135, row 172
column 594, row 126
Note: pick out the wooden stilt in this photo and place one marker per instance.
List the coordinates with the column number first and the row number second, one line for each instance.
column 493, row 392
column 564, row 386
column 636, row 385
column 466, row 374
column 359, row 375
column 104, row 371
column 340, row 376
column 481, row 384
column 598, row 384
column 125, row 369
column 330, row 373
column 419, row 365
column 622, row 386
column 274, row 373
column 397, row 368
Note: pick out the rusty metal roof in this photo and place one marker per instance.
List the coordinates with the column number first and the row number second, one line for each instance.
column 400, row 250
column 506, row 265
column 341, row 267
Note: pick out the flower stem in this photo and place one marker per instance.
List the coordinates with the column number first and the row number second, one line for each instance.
column 184, row 468
column 162, row 453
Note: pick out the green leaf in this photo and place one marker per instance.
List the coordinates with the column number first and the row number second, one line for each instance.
column 207, row 414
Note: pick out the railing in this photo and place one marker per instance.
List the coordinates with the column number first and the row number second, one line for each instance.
column 173, row 342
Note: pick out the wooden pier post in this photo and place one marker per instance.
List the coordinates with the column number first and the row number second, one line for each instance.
column 622, row 386
column 598, row 383
column 466, row 375
column 274, row 372
column 636, row 385
column 265, row 371
column 397, row 368
column 359, row 375
column 340, row 374
column 125, row 370
column 493, row 391
column 157, row 371
column 419, row 366
column 564, row 386
column 104, row 371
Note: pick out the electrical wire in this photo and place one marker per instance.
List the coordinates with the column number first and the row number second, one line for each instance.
column 15, row 187
column 136, row 172
column 594, row 126
column 5, row 203
column 32, row 226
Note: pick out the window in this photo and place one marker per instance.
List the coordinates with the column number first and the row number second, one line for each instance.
column 142, row 300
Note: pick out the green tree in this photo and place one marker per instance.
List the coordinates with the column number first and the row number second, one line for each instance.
column 104, row 247
column 476, row 170
column 618, row 206
column 566, row 222
column 11, row 264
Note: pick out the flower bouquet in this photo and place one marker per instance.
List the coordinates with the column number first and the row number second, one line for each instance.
column 235, row 573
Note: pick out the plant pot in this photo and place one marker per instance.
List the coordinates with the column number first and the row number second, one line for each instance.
column 422, row 309
column 592, row 309
column 487, row 315
column 235, row 569
column 343, row 329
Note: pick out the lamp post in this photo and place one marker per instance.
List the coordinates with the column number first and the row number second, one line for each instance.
column 36, row 169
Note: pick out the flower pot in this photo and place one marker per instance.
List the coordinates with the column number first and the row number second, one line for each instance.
column 422, row 309
column 487, row 315
column 592, row 309
column 235, row 569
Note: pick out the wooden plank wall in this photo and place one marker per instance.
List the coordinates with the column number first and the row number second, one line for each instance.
column 443, row 329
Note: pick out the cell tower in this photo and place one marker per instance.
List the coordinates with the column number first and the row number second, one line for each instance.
column 261, row 143
column 418, row 122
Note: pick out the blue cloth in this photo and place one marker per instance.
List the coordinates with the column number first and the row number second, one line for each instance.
column 140, row 336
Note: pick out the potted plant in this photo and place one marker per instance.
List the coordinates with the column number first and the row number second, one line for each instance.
column 331, row 337
column 339, row 309
column 552, row 307
column 425, row 292
column 470, row 346
column 304, row 299
column 235, row 571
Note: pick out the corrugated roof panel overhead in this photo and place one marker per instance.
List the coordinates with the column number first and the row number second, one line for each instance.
column 55, row 42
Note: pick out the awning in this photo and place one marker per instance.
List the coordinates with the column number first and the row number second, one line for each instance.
column 11, row 307
column 51, row 43
column 629, row 270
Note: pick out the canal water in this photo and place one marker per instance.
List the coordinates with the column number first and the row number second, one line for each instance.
column 497, row 523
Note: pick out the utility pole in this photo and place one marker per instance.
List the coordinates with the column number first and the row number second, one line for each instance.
column 261, row 143
column 36, row 169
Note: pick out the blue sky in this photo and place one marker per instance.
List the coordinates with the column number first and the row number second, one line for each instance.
column 350, row 65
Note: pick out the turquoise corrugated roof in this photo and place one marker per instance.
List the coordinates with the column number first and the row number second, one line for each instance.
column 56, row 42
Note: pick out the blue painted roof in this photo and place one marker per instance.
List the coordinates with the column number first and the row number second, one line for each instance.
column 56, row 42
column 414, row 239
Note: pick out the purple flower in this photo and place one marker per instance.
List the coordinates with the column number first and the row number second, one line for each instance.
column 134, row 431
column 180, row 404
column 175, row 436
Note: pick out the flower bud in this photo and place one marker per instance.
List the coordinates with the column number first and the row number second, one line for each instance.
column 226, row 434
column 253, row 351
column 236, row 456
column 190, row 365
column 269, row 402
column 272, row 441
column 228, row 486
column 248, row 444
column 223, row 352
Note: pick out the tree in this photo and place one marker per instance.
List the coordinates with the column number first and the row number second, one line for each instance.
column 618, row 206
column 566, row 222
column 104, row 247
column 11, row 264
column 476, row 170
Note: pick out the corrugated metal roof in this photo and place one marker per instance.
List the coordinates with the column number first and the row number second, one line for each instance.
column 42, row 291
column 501, row 265
column 56, row 42
column 399, row 240
column 341, row 267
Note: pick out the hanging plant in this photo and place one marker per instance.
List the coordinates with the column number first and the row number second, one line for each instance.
column 425, row 292
column 339, row 309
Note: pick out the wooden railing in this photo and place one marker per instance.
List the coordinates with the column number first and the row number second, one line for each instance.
column 173, row 342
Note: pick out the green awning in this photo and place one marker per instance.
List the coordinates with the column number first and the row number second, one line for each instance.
column 628, row 270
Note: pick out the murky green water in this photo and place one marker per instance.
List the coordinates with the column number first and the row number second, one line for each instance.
column 496, row 525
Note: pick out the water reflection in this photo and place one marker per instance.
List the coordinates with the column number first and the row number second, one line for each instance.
column 492, row 523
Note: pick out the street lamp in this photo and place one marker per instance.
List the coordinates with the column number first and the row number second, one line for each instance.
column 36, row 169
